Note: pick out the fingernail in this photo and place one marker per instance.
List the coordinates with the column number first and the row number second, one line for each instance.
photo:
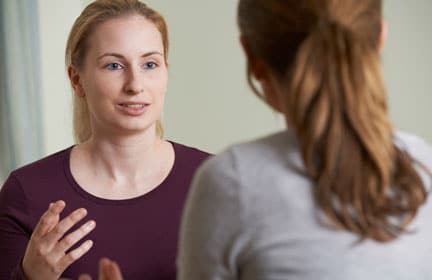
column 82, row 212
column 59, row 204
column 90, row 225
column 88, row 244
column 104, row 261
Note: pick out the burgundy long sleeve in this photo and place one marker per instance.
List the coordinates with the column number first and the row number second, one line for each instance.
column 140, row 233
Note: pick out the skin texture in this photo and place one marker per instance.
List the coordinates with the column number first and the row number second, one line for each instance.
column 125, row 65
column 45, row 256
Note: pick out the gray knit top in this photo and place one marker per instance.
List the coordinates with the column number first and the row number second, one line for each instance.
column 251, row 215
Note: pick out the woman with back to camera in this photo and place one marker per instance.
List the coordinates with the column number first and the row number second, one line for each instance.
column 340, row 194
column 122, row 175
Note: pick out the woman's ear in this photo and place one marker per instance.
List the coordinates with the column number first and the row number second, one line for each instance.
column 245, row 46
column 257, row 67
column 263, row 74
column 74, row 77
column 272, row 94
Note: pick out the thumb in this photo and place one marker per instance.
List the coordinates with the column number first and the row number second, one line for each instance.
column 109, row 270
column 85, row 277
column 115, row 272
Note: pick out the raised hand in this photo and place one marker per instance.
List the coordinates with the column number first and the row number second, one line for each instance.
column 45, row 257
column 108, row 270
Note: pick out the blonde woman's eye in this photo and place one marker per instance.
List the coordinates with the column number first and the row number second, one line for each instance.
column 150, row 65
column 114, row 66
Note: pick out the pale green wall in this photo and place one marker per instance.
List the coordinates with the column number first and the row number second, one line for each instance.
column 56, row 19
column 407, row 64
column 209, row 104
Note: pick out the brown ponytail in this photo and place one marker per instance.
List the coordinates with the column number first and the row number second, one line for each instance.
column 336, row 103
column 338, row 106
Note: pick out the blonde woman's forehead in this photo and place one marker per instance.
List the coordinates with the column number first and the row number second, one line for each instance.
column 131, row 35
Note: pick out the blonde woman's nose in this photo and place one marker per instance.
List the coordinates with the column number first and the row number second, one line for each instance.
column 134, row 82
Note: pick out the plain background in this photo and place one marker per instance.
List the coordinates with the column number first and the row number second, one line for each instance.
column 208, row 104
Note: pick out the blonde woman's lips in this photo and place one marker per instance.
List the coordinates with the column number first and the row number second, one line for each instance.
column 133, row 109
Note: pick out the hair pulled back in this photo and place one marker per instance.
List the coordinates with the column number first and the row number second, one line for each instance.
column 326, row 54
column 91, row 17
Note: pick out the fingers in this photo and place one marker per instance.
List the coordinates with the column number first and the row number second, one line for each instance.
column 46, row 252
column 109, row 270
column 71, row 239
column 85, row 277
column 74, row 255
column 65, row 225
column 49, row 219
column 115, row 272
column 104, row 264
column 49, row 240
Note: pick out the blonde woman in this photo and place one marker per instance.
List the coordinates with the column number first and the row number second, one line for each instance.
column 119, row 192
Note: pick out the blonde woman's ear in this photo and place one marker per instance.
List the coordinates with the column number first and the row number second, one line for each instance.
column 75, row 81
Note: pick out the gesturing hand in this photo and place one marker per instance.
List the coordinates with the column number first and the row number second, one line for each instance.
column 45, row 257
column 108, row 270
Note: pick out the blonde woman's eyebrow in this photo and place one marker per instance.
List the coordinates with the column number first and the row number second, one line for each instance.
column 122, row 56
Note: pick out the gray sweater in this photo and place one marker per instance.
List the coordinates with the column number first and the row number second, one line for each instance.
column 251, row 215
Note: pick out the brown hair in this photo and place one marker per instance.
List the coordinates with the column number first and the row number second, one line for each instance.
column 93, row 15
column 326, row 54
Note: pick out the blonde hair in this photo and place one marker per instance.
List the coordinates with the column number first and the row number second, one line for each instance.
column 93, row 15
column 326, row 54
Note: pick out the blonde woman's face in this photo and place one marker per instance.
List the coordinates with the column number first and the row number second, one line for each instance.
column 124, row 76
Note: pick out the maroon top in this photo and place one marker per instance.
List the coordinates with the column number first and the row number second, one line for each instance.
column 139, row 233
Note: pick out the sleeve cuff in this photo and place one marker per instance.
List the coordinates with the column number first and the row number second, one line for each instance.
column 18, row 273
